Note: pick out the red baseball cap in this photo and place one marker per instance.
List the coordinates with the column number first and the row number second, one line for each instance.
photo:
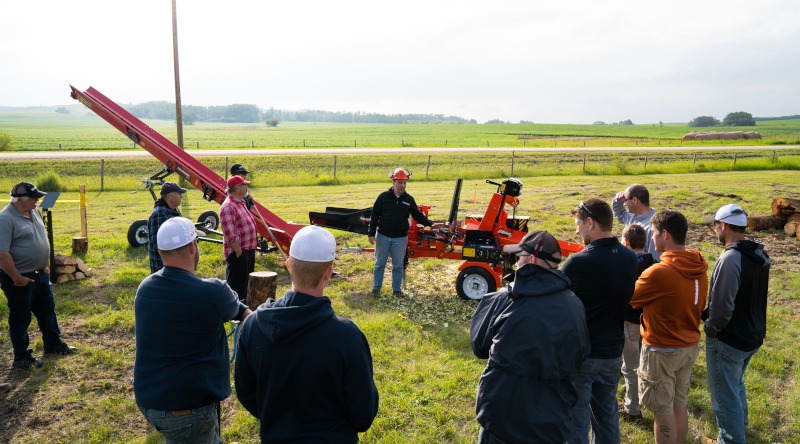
column 236, row 180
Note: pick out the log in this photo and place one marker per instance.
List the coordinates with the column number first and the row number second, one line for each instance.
column 793, row 218
column 260, row 287
column 82, row 267
column 89, row 272
column 64, row 269
column 760, row 223
column 79, row 275
column 62, row 259
column 80, row 245
column 782, row 207
column 791, row 228
column 63, row 278
column 69, row 276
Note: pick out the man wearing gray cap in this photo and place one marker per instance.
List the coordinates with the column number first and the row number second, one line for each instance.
column 25, row 276
column 182, row 366
column 534, row 334
column 735, row 321
column 165, row 208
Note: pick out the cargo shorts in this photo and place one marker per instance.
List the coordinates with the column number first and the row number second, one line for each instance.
column 665, row 376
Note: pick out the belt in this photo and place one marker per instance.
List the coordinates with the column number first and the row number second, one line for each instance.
column 28, row 272
column 188, row 410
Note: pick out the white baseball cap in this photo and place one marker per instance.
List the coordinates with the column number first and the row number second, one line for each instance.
column 175, row 233
column 732, row 214
column 313, row 244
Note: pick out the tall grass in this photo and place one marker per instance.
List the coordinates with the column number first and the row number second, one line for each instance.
column 50, row 181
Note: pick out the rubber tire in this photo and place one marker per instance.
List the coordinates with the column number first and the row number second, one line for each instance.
column 207, row 216
column 138, row 232
column 474, row 272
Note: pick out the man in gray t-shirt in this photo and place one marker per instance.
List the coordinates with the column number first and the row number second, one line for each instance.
column 25, row 276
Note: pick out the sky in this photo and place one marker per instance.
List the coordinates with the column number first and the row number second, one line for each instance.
column 543, row 61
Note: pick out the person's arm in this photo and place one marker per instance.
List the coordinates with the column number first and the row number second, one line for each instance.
column 649, row 287
column 571, row 271
column 727, row 278
column 481, row 326
column 374, row 218
column 360, row 393
column 244, row 378
column 8, row 267
column 417, row 214
column 227, row 218
column 620, row 212
column 230, row 307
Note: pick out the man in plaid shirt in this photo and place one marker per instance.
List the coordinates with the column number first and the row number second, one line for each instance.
column 240, row 238
column 163, row 210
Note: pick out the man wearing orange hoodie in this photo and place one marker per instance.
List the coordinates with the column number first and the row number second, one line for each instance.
column 673, row 295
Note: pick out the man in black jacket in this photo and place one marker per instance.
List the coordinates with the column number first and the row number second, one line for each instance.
column 534, row 334
column 735, row 321
column 603, row 276
column 388, row 230
column 303, row 371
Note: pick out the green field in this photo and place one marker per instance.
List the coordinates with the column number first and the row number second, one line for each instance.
column 424, row 367
column 42, row 129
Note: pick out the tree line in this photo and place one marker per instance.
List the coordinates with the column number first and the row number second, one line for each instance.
column 163, row 110
column 739, row 118
column 359, row 117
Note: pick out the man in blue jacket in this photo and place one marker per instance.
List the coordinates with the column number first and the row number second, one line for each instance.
column 303, row 371
column 534, row 334
column 164, row 209
column 182, row 366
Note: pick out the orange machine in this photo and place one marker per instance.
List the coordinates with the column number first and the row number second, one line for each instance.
column 478, row 241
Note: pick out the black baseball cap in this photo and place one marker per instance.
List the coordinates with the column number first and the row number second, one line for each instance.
column 538, row 243
column 25, row 189
column 238, row 168
column 171, row 187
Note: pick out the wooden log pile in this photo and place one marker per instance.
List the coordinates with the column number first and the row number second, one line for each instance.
column 68, row 268
column 785, row 214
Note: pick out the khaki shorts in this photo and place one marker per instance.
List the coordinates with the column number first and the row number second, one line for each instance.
column 664, row 378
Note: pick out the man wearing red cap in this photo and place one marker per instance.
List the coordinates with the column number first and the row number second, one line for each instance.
column 240, row 238
column 388, row 230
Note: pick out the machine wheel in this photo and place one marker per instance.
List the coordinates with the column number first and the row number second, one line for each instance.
column 209, row 219
column 137, row 233
column 474, row 282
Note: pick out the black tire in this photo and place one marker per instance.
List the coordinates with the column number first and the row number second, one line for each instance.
column 474, row 282
column 137, row 233
column 209, row 219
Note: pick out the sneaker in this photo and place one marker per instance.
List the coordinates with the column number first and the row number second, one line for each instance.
column 399, row 294
column 635, row 419
column 700, row 439
column 61, row 349
column 26, row 363
column 376, row 293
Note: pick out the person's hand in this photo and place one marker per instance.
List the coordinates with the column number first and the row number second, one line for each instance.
column 372, row 240
column 22, row 281
column 47, row 269
column 620, row 195
column 437, row 225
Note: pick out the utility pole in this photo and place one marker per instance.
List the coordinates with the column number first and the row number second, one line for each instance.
column 178, row 115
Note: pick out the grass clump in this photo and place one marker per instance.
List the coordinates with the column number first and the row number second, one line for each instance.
column 50, row 181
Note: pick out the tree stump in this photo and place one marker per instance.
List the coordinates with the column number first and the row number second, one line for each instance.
column 262, row 286
column 80, row 245
column 760, row 223
column 791, row 228
column 782, row 208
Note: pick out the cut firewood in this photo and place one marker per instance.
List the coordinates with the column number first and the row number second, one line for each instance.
column 782, row 207
column 793, row 218
column 64, row 269
column 62, row 259
column 79, row 275
column 760, row 223
column 791, row 228
column 89, row 272
column 262, row 286
column 63, row 278
column 82, row 267
column 70, row 276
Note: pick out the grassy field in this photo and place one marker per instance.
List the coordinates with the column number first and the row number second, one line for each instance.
column 424, row 367
column 42, row 129
column 271, row 171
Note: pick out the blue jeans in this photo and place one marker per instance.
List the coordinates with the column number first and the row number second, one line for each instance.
column 597, row 402
column 36, row 298
column 383, row 246
column 198, row 426
column 726, row 367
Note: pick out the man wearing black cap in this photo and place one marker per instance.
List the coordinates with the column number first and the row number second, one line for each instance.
column 239, row 170
column 163, row 210
column 25, row 276
column 534, row 334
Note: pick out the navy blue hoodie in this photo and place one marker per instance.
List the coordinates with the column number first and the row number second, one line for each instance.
column 305, row 372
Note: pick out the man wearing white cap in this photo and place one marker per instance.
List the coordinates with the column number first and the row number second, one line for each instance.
column 303, row 371
column 735, row 321
column 181, row 369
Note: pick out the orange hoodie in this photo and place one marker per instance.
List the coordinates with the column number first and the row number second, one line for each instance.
column 673, row 293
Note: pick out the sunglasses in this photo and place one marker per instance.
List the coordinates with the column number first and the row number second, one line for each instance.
column 583, row 206
column 735, row 212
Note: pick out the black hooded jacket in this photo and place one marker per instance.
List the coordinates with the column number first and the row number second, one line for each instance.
column 737, row 303
column 390, row 214
column 305, row 372
column 534, row 334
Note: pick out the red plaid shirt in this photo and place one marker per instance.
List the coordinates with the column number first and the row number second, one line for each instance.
column 238, row 225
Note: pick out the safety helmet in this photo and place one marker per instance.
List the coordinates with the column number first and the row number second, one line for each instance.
column 400, row 174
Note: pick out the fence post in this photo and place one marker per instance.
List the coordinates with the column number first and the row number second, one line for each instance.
column 645, row 161
column 354, row 143
column 102, row 173
column 226, row 168
column 59, row 146
column 773, row 157
column 403, row 142
column 512, row 163
column 523, row 143
column 487, row 143
column 198, row 144
column 428, row 167
column 584, row 163
column 445, row 142
column 734, row 159
column 694, row 160
column 304, row 143
column 334, row 167
column 252, row 144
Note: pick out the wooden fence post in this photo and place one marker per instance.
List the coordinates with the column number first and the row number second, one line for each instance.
column 445, row 142
column 773, row 157
column 734, row 159
column 354, row 143
column 403, row 143
column 334, row 167
column 304, row 143
column 487, row 143
column 512, row 163
column 252, row 144
column 59, row 146
column 102, row 174
column 198, row 144
column 226, row 168
column 645, row 161
column 694, row 160
column 584, row 163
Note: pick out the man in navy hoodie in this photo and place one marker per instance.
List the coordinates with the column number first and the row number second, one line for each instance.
column 303, row 371
column 534, row 334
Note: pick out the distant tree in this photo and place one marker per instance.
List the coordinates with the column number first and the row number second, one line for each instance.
column 740, row 118
column 626, row 122
column 495, row 121
column 599, row 122
column 273, row 121
column 7, row 143
column 660, row 123
column 473, row 121
column 525, row 121
column 703, row 121
column 190, row 117
column 62, row 110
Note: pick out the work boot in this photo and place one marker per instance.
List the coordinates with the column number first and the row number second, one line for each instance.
column 399, row 294
column 61, row 349
column 376, row 293
column 5, row 387
column 635, row 419
column 700, row 439
column 27, row 362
